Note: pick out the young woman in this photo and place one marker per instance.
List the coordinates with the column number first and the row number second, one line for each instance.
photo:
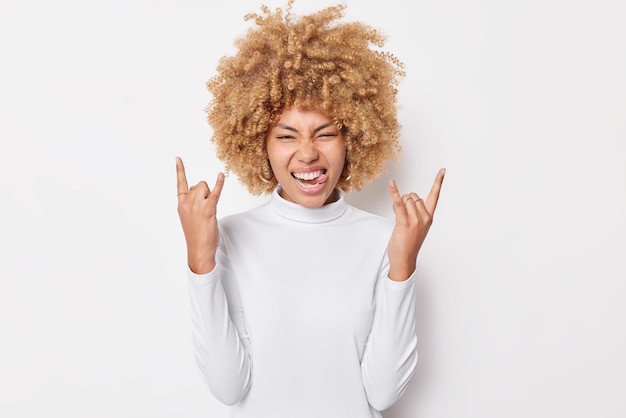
column 304, row 306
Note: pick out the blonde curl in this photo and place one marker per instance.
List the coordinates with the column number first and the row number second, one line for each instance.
column 313, row 62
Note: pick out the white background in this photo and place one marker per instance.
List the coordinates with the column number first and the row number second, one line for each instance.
column 522, row 278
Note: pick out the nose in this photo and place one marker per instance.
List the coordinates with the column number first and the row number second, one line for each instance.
column 307, row 152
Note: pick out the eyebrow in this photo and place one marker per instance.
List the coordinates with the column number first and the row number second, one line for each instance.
column 316, row 130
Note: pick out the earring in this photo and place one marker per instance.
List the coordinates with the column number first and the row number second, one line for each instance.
column 265, row 173
column 345, row 173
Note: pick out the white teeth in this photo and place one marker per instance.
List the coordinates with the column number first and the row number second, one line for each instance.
column 308, row 176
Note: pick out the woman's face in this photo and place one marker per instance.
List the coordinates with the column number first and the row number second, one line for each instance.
column 307, row 152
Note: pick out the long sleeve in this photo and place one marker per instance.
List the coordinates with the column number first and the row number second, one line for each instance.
column 390, row 354
column 221, row 345
column 299, row 317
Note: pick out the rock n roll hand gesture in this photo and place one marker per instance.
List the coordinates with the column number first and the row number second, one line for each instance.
column 413, row 219
column 197, row 208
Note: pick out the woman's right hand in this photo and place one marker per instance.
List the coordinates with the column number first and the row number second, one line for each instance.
column 197, row 209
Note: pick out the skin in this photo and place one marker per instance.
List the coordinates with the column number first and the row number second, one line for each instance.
column 304, row 141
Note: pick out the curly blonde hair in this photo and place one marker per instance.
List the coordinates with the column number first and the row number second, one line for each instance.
column 311, row 62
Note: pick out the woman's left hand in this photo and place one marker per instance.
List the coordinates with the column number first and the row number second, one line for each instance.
column 414, row 217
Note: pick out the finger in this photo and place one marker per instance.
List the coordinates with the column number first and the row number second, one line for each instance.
column 414, row 205
column 433, row 195
column 421, row 211
column 200, row 189
column 217, row 189
column 415, row 198
column 181, row 179
column 399, row 209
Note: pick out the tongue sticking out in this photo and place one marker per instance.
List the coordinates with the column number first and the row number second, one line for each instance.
column 322, row 178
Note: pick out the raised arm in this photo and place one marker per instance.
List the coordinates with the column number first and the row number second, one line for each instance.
column 220, row 341
column 390, row 355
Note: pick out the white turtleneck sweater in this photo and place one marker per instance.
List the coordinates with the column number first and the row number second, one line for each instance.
column 298, row 319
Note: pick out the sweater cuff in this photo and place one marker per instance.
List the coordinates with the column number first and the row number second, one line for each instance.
column 400, row 286
column 201, row 278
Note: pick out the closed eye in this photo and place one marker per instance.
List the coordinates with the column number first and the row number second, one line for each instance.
column 327, row 135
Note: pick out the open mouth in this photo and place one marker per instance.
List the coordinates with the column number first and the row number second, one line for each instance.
column 311, row 179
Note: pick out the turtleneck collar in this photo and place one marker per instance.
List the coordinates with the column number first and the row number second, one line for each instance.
column 297, row 213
